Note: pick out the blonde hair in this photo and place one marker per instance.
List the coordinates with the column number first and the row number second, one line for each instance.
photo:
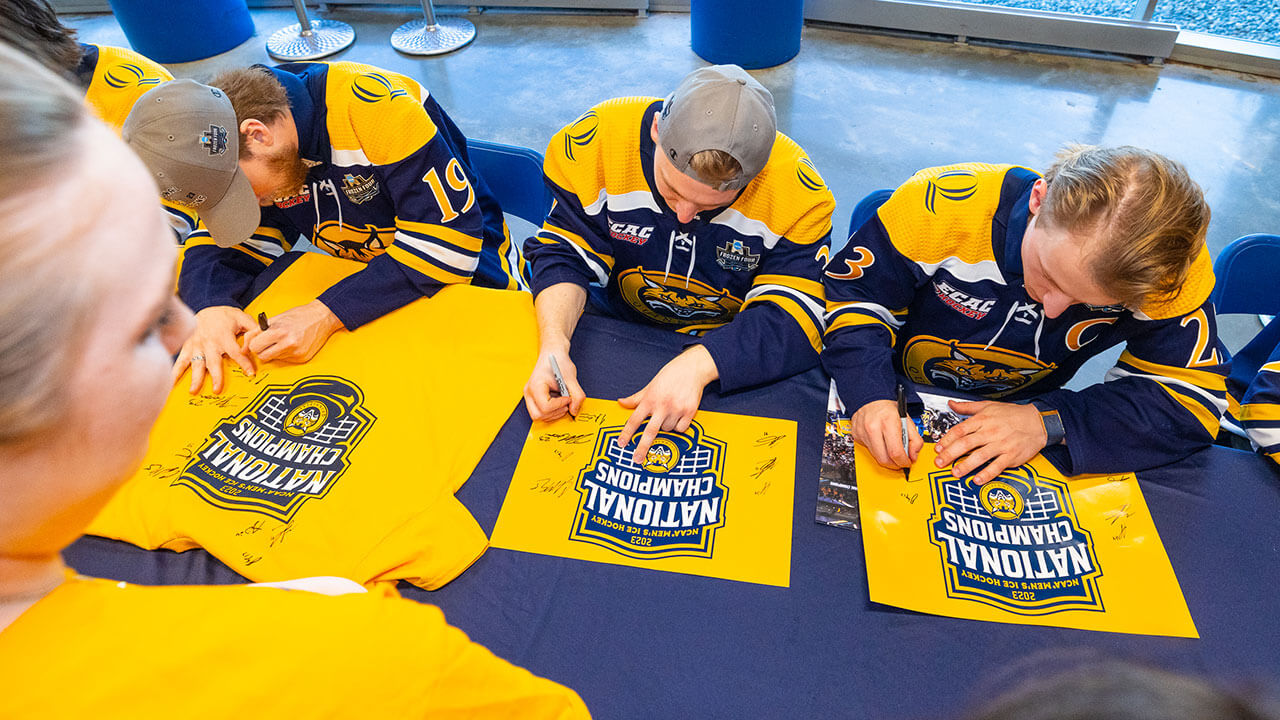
column 44, row 305
column 1146, row 216
column 255, row 94
column 715, row 166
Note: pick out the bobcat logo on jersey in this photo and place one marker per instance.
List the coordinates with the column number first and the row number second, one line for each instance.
column 215, row 140
column 363, row 244
column 955, row 185
column 672, row 302
column 127, row 74
column 991, row 372
column 1013, row 543
column 581, row 133
column 735, row 256
column 360, row 189
column 291, row 444
column 669, row 505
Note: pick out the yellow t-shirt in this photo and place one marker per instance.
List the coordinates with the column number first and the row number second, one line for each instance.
column 345, row 465
column 96, row 648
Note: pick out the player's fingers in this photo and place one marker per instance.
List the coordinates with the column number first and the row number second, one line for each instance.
column 917, row 443
column 968, row 407
column 631, row 401
column 974, row 460
column 646, row 439
column 214, row 367
column 629, row 428
column 993, row 468
column 683, row 425
column 180, row 366
column 892, row 434
column 263, row 339
column 875, row 444
column 197, row 373
column 242, row 358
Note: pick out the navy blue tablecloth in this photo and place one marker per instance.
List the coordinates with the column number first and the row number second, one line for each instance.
column 640, row 643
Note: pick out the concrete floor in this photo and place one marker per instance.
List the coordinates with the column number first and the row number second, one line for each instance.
column 869, row 110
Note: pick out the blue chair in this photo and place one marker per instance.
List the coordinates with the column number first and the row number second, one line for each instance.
column 1248, row 276
column 514, row 175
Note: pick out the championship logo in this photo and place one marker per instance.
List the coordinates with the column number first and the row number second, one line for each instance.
column 581, row 133
column 676, row 300
column 1013, row 543
column 291, row 444
column 359, row 189
column 363, row 244
column 215, row 140
column 955, row 185
column 734, row 256
column 992, row 372
column 668, row 506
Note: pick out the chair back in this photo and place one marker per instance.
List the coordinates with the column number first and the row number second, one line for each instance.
column 514, row 175
column 1247, row 276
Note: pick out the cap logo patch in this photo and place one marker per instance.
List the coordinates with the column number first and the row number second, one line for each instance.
column 215, row 140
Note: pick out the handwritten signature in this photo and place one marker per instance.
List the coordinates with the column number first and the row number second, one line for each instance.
column 767, row 440
column 567, row 438
column 553, row 487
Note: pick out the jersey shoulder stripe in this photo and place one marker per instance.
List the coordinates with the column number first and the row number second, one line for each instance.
column 789, row 196
column 119, row 79
column 945, row 212
column 375, row 113
column 600, row 151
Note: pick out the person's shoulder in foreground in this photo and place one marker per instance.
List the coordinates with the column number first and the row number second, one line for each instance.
column 220, row 651
column 999, row 283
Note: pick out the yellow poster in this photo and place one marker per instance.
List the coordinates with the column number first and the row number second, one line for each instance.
column 714, row 501
column 1030, row 547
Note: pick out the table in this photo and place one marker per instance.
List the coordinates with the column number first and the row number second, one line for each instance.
column 638, row 643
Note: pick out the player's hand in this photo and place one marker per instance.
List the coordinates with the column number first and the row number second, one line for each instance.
column 215, row 335
column 294, row 335
column 878, row 427
column 542, row 392
column 1006, row 434
column 670, row 400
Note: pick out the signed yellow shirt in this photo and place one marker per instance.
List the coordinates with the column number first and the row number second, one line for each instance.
column 96, row 648
column 345, row 465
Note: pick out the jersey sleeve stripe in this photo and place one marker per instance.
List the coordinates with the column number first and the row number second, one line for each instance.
column 427, row 232
column 426, row 266
column 440, row 254
column 812, row 288
column 798, row 312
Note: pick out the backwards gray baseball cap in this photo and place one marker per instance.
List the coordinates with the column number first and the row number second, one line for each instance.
column 186, row 134
column 719, row 107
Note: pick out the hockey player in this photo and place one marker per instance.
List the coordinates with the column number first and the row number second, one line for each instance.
column 1000, row 283
column 690, row 213
column 360, row 161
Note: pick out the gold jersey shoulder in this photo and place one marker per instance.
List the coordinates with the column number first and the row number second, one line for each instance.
column 375, row 114
column 119, row 79
column 789, row 195
column 945, row 212
column 600, row 150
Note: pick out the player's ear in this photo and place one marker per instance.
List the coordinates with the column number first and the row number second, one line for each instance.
column 1037, row 196
column 257, row 132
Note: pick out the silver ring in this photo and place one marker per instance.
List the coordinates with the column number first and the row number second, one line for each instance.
column 197, row 358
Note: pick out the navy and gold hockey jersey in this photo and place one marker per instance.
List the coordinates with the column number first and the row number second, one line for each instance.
column 931, row 287
column 391, row 186
column 746, row 277
column 1254, row 392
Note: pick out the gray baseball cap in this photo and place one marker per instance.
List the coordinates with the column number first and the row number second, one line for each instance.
column 719, row 107
column 186, row 134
